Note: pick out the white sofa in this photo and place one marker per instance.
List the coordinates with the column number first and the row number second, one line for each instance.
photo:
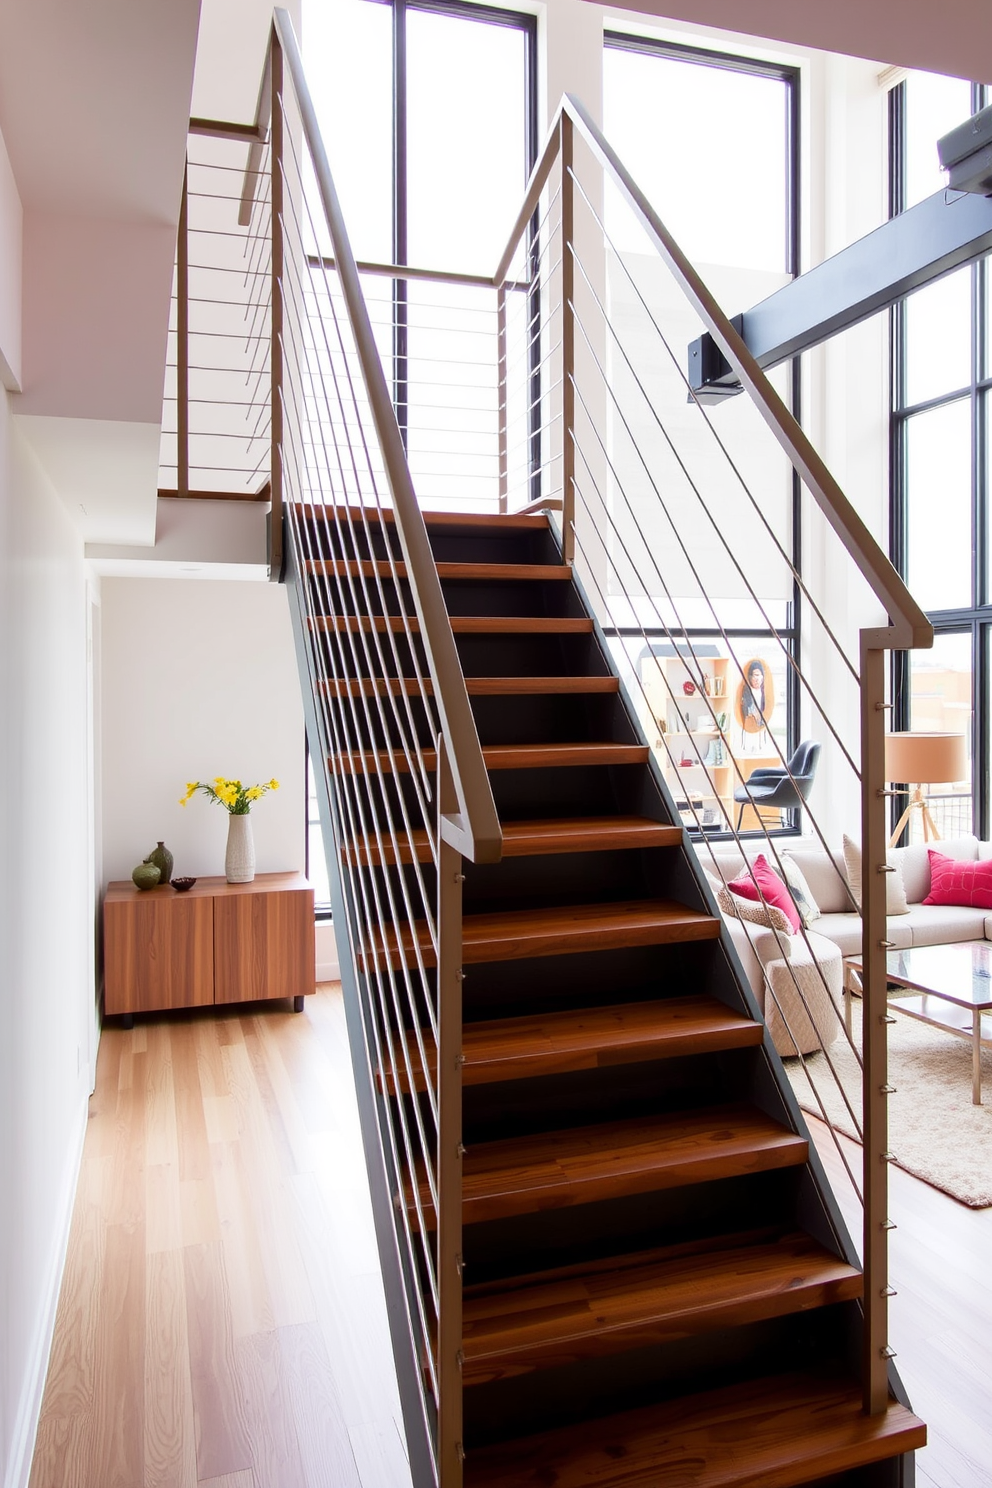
column 798, row 979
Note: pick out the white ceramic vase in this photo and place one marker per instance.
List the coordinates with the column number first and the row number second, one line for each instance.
column 239, row 864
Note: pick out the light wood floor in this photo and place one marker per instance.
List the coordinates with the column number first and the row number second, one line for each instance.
column 221, row 1320
column 940, row 1321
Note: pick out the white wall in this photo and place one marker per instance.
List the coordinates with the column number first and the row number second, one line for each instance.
column 199, row 679
column 46, row 916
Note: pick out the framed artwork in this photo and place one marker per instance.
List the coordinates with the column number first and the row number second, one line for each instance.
column 754, row 700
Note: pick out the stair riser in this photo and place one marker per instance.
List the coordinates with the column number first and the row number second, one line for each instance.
column 351, row 540
column 516, row 1107
column 624, row 1381
column 524, row 1244
column 632, row 972
column 660, row 1332
column 500, row 720
column 377, row 653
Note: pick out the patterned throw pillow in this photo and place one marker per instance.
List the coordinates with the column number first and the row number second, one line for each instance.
column 767, row 915
column 763, row 884
column 954, row 882
column 802, row 894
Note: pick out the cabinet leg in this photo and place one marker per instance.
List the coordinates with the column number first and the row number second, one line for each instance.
column 297, row 1004
column 127, row 1020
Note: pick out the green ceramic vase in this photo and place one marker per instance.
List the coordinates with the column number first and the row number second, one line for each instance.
column 147, row 875
column 162, row 858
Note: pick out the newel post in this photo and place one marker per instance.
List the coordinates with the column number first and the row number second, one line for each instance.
column 277, row 312
column 567, row 340
column 875, row 1029
column 449, row 1136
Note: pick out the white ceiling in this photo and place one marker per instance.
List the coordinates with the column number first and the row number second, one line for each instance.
column 94, row 100
column 953, row 37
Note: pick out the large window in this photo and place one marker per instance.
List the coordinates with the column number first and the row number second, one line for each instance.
column 729, row 194
column 940, row 460
column 428, row 111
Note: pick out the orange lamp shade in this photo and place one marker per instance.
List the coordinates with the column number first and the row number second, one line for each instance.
column 925, row 759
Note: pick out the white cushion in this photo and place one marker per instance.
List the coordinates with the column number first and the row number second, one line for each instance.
column 845, row 931
column 941, row 924
column 824, row 874
column 895, row 891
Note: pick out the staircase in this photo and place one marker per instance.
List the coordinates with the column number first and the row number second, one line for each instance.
column 657, row 1290
column 609, row 1254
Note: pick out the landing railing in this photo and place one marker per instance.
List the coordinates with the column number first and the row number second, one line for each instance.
column 557, row 384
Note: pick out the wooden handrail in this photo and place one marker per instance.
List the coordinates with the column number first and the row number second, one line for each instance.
column 910, row 627
column 474, row 828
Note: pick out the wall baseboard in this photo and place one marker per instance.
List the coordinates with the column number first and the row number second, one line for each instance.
column 29, row 1407
column 328, row 966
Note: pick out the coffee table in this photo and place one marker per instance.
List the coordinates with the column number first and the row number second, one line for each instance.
column 954, row 983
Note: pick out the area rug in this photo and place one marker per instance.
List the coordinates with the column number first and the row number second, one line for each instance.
column 934, row 1130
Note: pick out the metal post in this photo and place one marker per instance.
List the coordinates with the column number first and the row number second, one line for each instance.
column 567, row 343
column 449, row 1136
column 875, row 1036
column 182, row 343
column 501, row 395
column 277, row 309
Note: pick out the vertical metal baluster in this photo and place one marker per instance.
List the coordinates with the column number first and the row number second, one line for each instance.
column 501, row 390
column 277, row 310
column 182, row 342
column 875, row 1035
column 449, row 1136
column 567, row 343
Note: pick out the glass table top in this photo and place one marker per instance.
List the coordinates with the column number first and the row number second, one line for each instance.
column 960, row 973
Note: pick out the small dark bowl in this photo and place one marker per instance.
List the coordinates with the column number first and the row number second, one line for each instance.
column 182, row 884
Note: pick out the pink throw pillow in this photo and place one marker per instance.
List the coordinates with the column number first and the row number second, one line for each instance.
column 763, row 878
column 954, row 882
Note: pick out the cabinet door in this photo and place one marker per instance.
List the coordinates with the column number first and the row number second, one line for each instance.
column 263, row 945
column 158, row 952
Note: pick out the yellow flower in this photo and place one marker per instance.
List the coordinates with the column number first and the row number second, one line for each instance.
column 253, row 792
column 273, row 785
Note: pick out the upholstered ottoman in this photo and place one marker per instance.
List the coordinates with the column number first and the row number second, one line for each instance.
column 803, row 995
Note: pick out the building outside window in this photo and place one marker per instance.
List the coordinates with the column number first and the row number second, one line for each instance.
column 939, row 467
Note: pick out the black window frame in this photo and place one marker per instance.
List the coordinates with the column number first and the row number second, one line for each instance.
column 975, row 617
column 485, row 15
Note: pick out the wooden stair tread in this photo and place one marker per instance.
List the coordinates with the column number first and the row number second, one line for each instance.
column 460, row 624
column 556, row 1322
column 512, row 935
column 493, row 521
column 593, row 1038
column 766, row 1433
column 505, row 757
column 536, row 838
column 475, row 686
column 386, row 568
column 579, row 1165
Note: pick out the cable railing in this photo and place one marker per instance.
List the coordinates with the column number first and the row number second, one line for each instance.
column 558, row 384
column 216, row 432
column 406, row 794
column 660, row 501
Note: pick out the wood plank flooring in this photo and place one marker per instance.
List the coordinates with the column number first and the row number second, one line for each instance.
column 221, row 1321
column 940, row 1319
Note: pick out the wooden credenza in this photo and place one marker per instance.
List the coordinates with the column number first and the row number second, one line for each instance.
column 217, row 943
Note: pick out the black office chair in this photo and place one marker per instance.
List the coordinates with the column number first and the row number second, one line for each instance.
column 784, row 786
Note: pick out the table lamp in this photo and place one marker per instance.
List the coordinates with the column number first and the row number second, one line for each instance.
column 922, row 759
